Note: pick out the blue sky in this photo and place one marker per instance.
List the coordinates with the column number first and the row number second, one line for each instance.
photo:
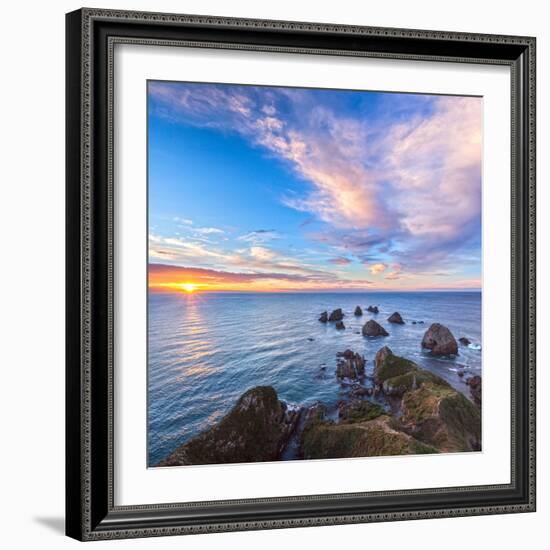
column 267, row 188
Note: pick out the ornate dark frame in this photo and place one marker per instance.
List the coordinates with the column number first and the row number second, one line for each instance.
column 90, row 510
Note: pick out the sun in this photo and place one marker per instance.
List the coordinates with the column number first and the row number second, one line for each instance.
column 189, row 287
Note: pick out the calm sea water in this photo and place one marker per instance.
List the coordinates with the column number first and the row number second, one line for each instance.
column 206, row 349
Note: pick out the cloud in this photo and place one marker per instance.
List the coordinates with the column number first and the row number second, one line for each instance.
column 254, row 259
column 375, row 269
column 162, row 276
column 395, row 274
column 183, row 221
column 260, row 236
column 209, row 231
column 340, row 260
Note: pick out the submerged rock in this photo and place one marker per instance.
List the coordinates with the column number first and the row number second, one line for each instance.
column 373, row 309
column 439, row 339
column 372, row 328
column 464, row 341
column 336, row 315
column 324, row 317
column 340, row 325
column 475, row 388
column 358, row 312
column 396, row 319
column 350, row 365
column 255, row 430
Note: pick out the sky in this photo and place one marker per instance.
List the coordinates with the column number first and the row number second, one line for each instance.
column 261, row 188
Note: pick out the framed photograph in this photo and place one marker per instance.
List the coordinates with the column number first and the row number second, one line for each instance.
column 300, row 274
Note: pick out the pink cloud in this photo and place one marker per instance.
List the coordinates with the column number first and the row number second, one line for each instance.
column 375, row 269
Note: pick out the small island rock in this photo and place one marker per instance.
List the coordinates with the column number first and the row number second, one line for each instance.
column 324, row 317
column 396, row 318
column 340, row 325
column 440, row 340
column 336, row 315
column 373, row 309
column 464, row 341
column 358, row 312
column 372, row 328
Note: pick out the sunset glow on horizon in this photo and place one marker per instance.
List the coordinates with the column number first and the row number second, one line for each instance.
column 271, row 189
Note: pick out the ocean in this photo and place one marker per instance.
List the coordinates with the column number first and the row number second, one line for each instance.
column 206, row 349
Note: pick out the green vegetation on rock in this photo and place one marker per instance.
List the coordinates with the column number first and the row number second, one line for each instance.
column 367, row 438
column 393, row 366
column 359, row 411
column 443, row 417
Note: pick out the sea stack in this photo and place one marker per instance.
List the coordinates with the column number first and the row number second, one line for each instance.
column 340, row 325
column 358, row 311
column 372, row 309
column 440, row 340
column 396, row 318
column 350, row 365
column 336, row 315
column 372, row 328
column 324, row 317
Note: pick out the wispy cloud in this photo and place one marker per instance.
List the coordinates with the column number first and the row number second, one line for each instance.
column 340, row 260
column 260, row 236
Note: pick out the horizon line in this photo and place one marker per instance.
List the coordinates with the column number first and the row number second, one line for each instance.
column 154, row 289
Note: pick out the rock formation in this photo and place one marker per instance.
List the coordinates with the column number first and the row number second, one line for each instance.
column 396, row 318
column 432, row 411
column 359, row 436
column 324, row 317
column 439, row 339
column 358, row 311
column 381, row 355
column 475, row 388
column 350, row 365
column 255, row 430
column 336, row 315
column 372, row 328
